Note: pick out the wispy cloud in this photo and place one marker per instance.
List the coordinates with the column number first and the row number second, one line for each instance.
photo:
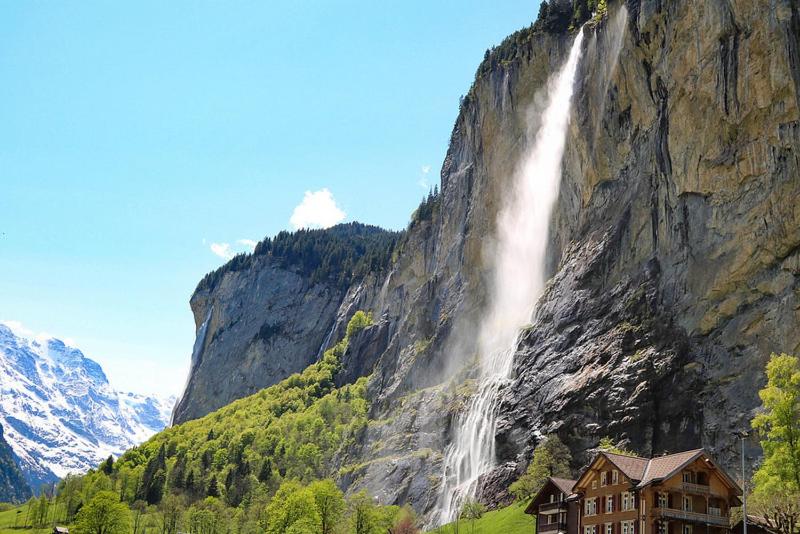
column 223, row 250
column 317, row 210
column 423, row 180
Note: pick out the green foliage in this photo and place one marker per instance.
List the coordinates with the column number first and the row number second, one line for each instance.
column 329, row 502
column 104, row 514
column 335, row 255
column 219, row 473
column 358, row 322
column 607, row 445
column 551, row 458
column 779, row 426
column 472, row 510
column 367, row 517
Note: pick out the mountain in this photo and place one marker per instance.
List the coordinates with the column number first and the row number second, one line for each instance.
column 672, row 258
column 59, row 412
column 13, row 486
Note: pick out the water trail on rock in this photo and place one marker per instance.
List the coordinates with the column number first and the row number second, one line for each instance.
column 518, row 279
column 199, row 342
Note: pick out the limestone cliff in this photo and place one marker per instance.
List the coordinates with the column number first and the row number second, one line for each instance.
column 675, row 254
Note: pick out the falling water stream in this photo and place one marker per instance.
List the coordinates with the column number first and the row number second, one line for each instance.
column 518, row 278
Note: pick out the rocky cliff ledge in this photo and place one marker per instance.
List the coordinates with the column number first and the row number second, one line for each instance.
column 675, row 254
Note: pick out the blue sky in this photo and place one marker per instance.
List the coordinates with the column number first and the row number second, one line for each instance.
column 135, row 138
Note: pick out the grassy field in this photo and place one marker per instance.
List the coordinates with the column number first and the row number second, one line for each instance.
column 510, row 520
column 8, row 517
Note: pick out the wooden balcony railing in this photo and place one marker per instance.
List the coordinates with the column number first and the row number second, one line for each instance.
column 552, row 527
column 701, row 489
column 548, row 506
column 708, row 519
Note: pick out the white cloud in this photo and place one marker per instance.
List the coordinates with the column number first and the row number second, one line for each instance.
column 423, row 181
column 317, row 210
column 249, row 243
column 223, row 250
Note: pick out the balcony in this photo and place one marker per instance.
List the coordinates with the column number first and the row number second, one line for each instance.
column 552, row 507
column 694, row 517
column 552, row 527
column 698, row 489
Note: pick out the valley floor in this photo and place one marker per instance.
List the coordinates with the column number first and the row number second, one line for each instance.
column 16, row 516
column 509, row 520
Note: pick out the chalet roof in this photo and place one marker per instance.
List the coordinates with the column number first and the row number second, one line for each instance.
column 561, row 484
column 643, row 471
column 663, row 467
column 632, row 467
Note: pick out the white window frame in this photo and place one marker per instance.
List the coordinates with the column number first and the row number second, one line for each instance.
column 663, row 500
column 590, row 529
column 604, row 478
column 590, row 507
column 615, row 477
column 687, row 477
column 609, row 528
column 594, row 484
column 609, row 504
column 627, row 527
column 687, row 529
column 627, row 501
column 663, row 527
column 687, row 504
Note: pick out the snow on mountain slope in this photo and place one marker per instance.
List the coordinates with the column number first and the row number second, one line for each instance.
column 59, row 412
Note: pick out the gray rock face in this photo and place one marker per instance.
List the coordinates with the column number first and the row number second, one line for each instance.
column 675, row 254
column 264, row 323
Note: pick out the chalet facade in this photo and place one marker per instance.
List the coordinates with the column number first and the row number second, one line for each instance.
column 556, row 508
column 683, row 493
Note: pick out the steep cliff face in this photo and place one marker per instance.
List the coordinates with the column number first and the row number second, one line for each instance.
column 13, row 486
column 675, row 254
column 267, row 315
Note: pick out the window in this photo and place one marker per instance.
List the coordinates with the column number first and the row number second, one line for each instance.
column 609, row 528
column 615, row 477
column 662, row 500
column 552, row 497
column 604, row 478
column 594, row 484
column 590, row 529
column 590, row 506
column 687, row 504
column 687, row 476
column 687, row 529
column 627, row 500
column 662, row 527
column 627, row 527
column 609, row 504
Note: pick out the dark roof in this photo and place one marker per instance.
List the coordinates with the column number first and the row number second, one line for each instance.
column 561, row 484
column 761, row 523
column 632, row 467
column 663, row 467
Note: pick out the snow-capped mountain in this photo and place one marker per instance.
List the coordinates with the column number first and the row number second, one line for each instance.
column 60, row 414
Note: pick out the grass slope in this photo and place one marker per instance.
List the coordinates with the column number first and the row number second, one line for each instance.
column 9, row 515
column 509, row 520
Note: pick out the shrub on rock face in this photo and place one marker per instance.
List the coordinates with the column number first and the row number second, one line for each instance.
column 551, row 458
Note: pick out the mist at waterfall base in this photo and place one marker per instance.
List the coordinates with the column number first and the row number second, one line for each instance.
column 518, row 278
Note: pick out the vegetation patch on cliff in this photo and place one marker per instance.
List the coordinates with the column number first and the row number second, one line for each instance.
column 335, row 255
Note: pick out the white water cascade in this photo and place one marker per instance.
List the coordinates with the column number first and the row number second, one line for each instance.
column 518, row 280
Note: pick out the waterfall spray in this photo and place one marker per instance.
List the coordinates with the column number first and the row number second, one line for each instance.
column 518, row 280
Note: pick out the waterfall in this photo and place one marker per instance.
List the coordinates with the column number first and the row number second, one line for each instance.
column 197, row 349
column 518, row 278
